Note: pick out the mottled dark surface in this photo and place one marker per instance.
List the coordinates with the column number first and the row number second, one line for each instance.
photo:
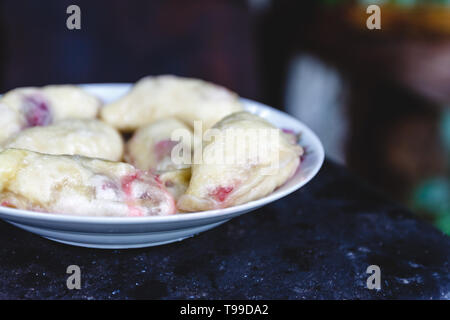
column 315, row 244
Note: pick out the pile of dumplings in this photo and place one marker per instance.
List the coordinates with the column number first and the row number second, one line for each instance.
column 63, row 151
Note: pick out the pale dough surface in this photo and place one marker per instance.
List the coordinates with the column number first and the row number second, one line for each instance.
column 65, row 101
column 77, row 185
column 10, row 123
column 156, row 97
column 32, row 106
column 151, row 146
column 217, row 183
column 176, row 181
column 90, row 138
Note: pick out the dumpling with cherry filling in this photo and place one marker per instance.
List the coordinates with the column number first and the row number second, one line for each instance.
column 76, row 185
column 10, row 123
column 31, row 106
column 176, row 181
column 151, row 146
column 244, row 158
column 156, row 97
column 90, row 138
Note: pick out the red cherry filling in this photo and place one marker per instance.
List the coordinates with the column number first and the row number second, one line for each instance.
column 151, row 192
column 305, row 151
column 163, row 148
column 127, row 182
column 157, row 179
column 288, row 131
column 221, row 193
column 127, row 188
column 7, row 204
column 37, row 111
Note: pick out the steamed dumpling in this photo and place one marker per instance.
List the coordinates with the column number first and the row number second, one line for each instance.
column 90, row 138
column 77, row 185
column 156, row 97
column 176, row 181
column 151, row 146
column 29, row 107
column 246, row 159
column 10, row 123
column 42, row 106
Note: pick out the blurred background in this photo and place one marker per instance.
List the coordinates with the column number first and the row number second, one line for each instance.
column 378, row 99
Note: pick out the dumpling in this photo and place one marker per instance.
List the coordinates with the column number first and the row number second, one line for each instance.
column 82, row 186
column 90, row 138
column 42, row 106
column 151, row 146
column 176, row 181
column 30, row 107
column 10, row 123
column 154, row 98
column 246, row 158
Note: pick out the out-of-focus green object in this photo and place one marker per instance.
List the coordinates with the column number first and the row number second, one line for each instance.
column 433, row 196
column 443, row 223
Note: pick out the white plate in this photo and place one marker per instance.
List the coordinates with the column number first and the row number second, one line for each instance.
column 112, row 233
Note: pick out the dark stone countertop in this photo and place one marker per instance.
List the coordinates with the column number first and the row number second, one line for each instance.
column 314, row 244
